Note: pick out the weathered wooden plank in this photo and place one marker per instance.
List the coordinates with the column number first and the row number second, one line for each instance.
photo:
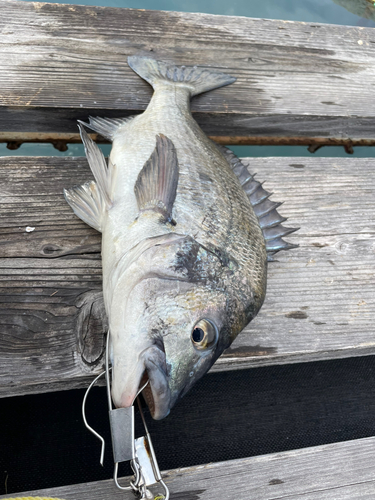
column 320, row 298
column 297, row 83
column 342, row 471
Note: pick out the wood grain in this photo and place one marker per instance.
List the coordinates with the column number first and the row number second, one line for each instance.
column 320, row 298
column 296, row 82
column 342, row 471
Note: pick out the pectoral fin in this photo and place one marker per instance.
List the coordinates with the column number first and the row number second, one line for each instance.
column 156, row 185
column 103, row 174
column 90, row 201
column 87, row 203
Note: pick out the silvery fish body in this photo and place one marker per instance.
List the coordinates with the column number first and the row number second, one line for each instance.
column 184, row 255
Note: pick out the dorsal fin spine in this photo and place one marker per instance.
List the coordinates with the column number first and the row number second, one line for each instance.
column 276, row 231
column 265, row 209
column 259, row 195
column 271, row 219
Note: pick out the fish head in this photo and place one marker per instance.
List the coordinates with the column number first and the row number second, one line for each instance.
column 178, row 313
column 190, row 321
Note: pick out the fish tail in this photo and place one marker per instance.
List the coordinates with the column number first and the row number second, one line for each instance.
column 197, row 79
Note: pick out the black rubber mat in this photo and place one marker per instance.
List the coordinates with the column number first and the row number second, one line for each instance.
column 225, row 416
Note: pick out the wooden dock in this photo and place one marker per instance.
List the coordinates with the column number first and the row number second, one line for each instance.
column 297, row 83
column 320, row 298
column 340, row 471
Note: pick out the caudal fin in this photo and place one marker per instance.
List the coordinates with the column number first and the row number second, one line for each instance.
column 198, row 79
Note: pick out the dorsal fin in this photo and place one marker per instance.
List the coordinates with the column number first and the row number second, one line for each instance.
column 266, row 210
column 107, row 127
column 156, row 185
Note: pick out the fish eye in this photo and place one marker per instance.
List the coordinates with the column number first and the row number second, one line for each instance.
column 204, row 334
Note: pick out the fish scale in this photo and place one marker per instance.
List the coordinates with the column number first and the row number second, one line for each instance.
column 224, row 226
column 182, row 244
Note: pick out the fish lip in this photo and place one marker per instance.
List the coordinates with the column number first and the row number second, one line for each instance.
column 157, row 393
column 156, row 367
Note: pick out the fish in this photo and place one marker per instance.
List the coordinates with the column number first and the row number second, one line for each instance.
column 186, row 236
column 361, row 8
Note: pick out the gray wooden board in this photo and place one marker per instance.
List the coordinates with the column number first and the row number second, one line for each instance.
column 320, row 297
column 340, row 471
column 296, row 82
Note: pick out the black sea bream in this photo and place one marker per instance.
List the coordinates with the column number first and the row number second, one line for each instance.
column 185, row 236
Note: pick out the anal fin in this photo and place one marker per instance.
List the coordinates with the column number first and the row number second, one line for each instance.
column 156, row 185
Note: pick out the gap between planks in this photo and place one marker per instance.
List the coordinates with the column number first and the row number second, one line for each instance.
column 16, row 139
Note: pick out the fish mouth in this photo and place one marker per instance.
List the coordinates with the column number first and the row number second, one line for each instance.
column 154, row 373
column 157, row 410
